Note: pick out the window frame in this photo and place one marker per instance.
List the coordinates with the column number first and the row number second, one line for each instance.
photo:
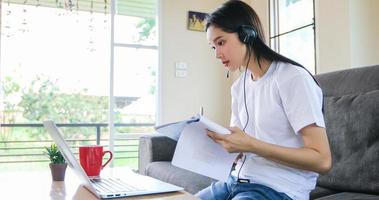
column 274, row 12
column 113, row 135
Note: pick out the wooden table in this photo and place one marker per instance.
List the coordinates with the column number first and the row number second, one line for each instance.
column 38, row 185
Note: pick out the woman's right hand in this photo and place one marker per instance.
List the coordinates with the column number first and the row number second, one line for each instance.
column 235, row 142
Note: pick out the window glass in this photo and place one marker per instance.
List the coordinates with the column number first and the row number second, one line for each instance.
column 299, row 47
column 294, row 14
column 135, row 30
column 55, row 57
column 135, row 76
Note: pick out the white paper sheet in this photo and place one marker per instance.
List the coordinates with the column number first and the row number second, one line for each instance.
column 212, row 126
column 173, row 130
column 196, row 152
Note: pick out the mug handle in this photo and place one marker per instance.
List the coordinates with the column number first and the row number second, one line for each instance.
column 110, row 158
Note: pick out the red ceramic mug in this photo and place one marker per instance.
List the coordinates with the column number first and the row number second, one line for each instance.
column 91, row 159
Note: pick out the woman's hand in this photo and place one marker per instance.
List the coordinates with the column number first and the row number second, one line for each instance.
column 237, row 141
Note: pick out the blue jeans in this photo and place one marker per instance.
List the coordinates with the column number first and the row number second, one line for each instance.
column 239, row 191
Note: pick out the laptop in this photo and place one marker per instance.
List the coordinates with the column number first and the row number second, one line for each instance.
column 111, row 187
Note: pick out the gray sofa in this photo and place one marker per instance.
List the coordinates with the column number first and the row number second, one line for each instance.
column 351, row 110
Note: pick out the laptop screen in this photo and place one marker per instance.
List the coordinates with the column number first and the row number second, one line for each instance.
column 67, row 154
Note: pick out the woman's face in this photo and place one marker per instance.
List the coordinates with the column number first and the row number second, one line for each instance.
column 228, row 48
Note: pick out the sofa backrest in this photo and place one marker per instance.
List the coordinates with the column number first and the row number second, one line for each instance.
column 351, row 111
column 350, row 81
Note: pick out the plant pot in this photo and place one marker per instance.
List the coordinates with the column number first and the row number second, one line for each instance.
column 58, row 171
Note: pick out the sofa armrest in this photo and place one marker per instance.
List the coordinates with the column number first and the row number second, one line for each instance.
column 154, row 148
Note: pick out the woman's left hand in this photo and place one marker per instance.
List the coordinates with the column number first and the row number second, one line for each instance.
column 237, row 141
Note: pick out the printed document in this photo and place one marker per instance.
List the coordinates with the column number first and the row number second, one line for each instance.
column 173, row 130
column 195, row 151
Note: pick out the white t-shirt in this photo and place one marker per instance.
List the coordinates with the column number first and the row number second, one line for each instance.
column 280, row 103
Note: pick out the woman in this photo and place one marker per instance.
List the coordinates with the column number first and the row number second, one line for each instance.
column 277, row 120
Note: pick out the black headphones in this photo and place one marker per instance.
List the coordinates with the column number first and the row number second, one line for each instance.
column 246, row 34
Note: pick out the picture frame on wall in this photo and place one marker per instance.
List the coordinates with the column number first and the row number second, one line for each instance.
column 196, row 21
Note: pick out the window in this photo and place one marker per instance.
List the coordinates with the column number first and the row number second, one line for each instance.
column 292, row 31
column 56, row 64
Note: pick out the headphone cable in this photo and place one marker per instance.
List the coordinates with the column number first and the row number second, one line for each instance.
column 244, row 128
column 247, row 112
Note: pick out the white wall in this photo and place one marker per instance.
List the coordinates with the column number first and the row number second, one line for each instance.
column 364, row 30
column 332, row 35
column 205, row 84
column 347, row 34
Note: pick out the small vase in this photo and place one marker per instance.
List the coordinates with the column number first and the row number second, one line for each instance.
column 58, row 171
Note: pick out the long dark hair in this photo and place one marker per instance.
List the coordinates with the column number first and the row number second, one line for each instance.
column 232, row 15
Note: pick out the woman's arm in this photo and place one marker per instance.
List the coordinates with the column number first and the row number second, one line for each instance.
column 314, row 156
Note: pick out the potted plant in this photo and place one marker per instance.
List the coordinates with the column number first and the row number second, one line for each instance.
column 57, row 164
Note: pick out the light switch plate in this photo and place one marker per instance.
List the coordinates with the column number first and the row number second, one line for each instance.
column 181, row 73
column 181, row 65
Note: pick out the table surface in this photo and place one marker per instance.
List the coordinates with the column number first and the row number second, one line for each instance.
column 39, row 185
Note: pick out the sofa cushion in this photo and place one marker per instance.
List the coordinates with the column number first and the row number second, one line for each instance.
column 352, row 124
column 350, row 196
column 165, row 171
column 320, row 192
column 154, row 148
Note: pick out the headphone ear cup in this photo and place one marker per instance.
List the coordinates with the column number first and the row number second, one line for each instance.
column 242, row 36
column 246, row 34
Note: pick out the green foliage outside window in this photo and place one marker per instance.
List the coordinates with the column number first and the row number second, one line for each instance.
column 43, row 100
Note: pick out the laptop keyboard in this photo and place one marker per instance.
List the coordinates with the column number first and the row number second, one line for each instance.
column 111, row 185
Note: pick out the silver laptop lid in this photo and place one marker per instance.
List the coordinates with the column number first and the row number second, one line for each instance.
column 68, row 155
